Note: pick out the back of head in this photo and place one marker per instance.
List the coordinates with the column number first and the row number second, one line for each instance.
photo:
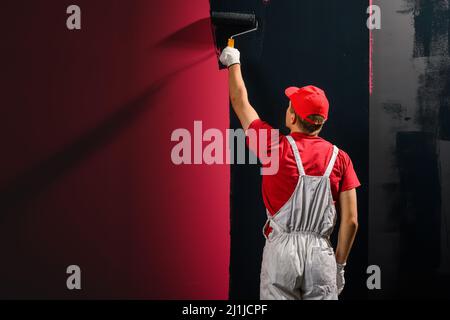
column 315, row 124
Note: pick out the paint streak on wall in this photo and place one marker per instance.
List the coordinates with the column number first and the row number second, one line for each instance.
column 407, row 131
column 431, row 40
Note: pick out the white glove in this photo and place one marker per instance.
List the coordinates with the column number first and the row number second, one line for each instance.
column 230, row 56
column 340, row 278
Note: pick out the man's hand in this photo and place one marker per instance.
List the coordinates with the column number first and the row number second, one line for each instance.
column 340, row 277
column 230, row 56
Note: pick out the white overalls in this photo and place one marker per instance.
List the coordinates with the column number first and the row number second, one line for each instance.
column 298, row 259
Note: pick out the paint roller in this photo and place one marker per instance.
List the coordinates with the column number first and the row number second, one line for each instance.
column 236, row 20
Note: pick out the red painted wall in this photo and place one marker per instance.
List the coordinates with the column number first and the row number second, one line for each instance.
column 86, row 175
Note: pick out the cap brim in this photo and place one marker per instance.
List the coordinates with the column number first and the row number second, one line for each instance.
column 290, row 91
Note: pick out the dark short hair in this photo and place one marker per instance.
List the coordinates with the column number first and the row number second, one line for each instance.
column 309, row 127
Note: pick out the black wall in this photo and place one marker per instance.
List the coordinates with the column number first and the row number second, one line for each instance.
column 317, row 42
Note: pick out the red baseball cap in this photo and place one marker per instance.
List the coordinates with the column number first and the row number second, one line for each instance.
column 307, row 101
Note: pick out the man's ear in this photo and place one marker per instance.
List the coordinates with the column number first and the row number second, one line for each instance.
column 294, row 118
column 292, row 115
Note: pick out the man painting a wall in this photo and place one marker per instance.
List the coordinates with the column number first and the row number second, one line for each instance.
column 298, row 260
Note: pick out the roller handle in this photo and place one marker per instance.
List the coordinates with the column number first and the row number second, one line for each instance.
column 231, row 43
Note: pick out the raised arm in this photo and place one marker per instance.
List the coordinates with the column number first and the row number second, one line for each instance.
column 238, row 92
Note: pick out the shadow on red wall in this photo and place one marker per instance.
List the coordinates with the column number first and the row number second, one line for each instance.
column 86, row 176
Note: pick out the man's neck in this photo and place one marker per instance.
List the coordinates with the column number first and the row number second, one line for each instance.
column 296, row 130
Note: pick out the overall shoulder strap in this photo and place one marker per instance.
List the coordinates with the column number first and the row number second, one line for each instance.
column 332, row 162
column 298, row 160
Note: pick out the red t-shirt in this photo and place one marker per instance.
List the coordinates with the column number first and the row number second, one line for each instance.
column 315, row 153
